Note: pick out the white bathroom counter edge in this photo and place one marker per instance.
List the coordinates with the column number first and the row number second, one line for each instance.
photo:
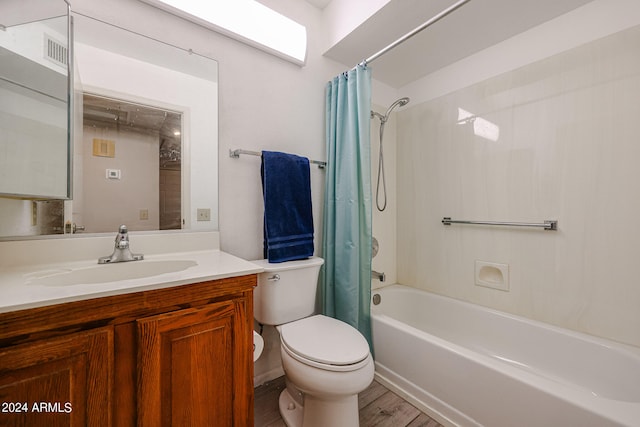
column 17, row 294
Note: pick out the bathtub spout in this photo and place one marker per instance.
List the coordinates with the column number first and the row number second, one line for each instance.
column 380, row 276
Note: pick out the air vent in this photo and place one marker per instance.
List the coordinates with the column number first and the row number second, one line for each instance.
column 55, row 51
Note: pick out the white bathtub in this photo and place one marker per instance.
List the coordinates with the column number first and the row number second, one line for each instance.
column 471, row 366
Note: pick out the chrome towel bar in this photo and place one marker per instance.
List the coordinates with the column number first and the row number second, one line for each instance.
column 236, row 154
column 547, row 224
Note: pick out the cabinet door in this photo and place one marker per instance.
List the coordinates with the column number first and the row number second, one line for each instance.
column 64, row 381
column 195, row 367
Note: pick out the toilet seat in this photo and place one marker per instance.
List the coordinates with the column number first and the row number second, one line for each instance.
column 325, row 343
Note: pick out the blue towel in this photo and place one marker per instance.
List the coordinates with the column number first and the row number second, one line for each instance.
column 288, row 219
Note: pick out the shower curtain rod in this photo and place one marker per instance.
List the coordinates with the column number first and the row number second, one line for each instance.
column 415, row 31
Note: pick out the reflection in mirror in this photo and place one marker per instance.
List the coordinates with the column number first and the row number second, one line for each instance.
column 34, row 99
column 131, row 165
column 129, row 170
column 122, row 72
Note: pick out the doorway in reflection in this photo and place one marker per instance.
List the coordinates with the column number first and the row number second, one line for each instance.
column 129, row 167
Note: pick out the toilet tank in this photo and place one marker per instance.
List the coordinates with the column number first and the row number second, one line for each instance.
column 286, row 291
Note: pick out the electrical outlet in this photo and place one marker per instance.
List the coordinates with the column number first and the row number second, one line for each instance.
column 204, row 214
column 144, row 214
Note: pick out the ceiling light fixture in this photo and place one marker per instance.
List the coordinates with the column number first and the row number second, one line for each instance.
column 247, row 21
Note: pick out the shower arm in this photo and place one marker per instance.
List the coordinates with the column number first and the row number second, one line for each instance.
column 378, row 115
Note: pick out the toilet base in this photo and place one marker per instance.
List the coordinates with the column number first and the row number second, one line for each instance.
column 318, row 412
column 290, row 410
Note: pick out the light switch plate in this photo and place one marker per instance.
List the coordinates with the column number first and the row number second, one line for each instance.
column 114, row 174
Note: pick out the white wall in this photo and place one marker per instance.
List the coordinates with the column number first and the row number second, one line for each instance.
column 567, row 150
column 108, row 203
column 590, row 22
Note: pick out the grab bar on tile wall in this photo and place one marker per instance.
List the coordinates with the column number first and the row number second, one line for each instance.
column 236, row 154
column 547, row 224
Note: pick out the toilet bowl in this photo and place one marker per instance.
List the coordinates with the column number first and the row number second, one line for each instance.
column 326, row 361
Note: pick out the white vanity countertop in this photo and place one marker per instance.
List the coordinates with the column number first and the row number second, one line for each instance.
column 30, row 286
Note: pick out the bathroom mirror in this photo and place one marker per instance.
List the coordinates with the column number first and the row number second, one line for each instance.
column 131, row 85
column 34, row 99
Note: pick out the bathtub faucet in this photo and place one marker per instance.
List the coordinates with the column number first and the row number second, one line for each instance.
column 121, row 251
column 380, row 276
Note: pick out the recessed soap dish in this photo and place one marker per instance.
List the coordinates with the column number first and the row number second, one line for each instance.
column 492, row 275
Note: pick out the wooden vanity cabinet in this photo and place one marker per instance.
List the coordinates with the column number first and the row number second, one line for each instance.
column 64, row 381
column 190, row 367
column 180, row 356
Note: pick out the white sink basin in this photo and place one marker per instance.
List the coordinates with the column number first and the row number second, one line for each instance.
column 109, row 272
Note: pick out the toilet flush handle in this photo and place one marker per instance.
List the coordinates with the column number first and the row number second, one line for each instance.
column 274, row 278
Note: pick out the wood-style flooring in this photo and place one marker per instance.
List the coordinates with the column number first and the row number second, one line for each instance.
column 378, row 406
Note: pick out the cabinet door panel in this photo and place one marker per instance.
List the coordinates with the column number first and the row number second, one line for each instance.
column 58, row 382
column 186, row 366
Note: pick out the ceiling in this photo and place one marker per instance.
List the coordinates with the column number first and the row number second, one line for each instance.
column 320, row 4
column 473, row 27
column 107, row 113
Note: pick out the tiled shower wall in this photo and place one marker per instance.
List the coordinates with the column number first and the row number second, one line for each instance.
column 568, row 149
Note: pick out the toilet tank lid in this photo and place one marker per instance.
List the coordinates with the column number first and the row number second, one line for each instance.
column 288, row 265
column 325, row 340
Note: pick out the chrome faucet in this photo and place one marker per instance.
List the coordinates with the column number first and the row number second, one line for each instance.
column 121, row 252
column 380, row 276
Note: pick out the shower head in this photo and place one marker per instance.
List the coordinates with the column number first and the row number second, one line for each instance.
column 400, row 102
column 383, row 119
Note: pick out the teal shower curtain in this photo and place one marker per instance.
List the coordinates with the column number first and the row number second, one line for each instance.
column 346, row 242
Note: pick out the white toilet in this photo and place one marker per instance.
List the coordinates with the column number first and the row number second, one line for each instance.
column 326, row 362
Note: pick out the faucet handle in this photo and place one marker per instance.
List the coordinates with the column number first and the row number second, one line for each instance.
column 121, row 252
column 122, row 238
